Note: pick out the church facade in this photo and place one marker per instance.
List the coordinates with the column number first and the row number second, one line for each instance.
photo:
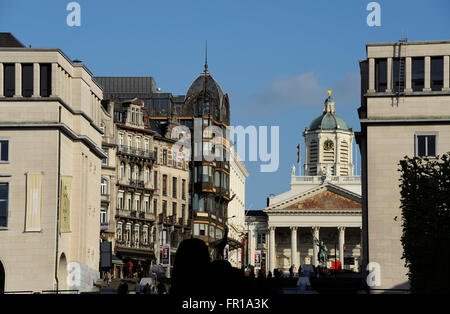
column 324, row 204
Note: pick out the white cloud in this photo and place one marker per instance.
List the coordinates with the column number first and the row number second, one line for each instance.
column 305, row 91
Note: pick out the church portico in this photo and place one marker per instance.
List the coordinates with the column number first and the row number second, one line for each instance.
column 322, row 206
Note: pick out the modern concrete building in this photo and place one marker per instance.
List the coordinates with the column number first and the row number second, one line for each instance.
column 325, row 204
column 50, row 170
column 405, row 97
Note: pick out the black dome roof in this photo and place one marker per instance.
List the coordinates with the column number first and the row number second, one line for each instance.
column 206, row 82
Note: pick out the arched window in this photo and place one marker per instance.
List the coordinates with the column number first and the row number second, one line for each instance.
column 104, row 186
column 129, row 172
column 136, row 172
column 122, row 170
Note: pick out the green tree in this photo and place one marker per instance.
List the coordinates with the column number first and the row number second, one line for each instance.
column 425, row 204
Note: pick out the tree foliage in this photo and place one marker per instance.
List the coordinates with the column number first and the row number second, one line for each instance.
column 425, row 204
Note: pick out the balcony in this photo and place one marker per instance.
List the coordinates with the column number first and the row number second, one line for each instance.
column 135, row 152
column 105, row 198
column 133, row 214
column 319, row 179
column 137, row 184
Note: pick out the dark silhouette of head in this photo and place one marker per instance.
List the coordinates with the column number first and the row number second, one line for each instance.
column 190, row 268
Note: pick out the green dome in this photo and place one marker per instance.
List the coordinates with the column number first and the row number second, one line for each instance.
column 329, row 121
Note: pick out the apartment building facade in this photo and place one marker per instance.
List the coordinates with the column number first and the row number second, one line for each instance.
column 49, row 172
column 405, row 97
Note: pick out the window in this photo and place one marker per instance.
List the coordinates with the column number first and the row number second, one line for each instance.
column 4, row 197
column 196, row 202
column 224, row 180
column 147, row 145
column 138, row 143
column 103, row 214
column 174, row 209
column 174, row 187
column 164, row 208
column 121, row 139
column 183, row 189
column 128, row 233
column 147, row 175
column 102, row 127
column 104, row 186
column 426, row 145
column 155, row 179
column 9, row 83
column 261, row 238
column 165, row 157
column 183, row 209
column 146, row 204
column 122, row 170
column 136, row 234
column 137, row 202
column 164, row 187
column 212, row 232
column 155, row 153
column 418, row 74
column 129, row 205
column 145, row 234
column 130, row 141
column 4, row 150
column 163, row 237
column 45, row 79
column 437, row 73
column 174, row 159
column 27, row 80
column 119, row 231
column 105, row 160
column 381, row 75
column 206, row 174
column 136, row 172
column 217, row 179
column 155, row 206
column 129, row 172
column 120, row 201
column 203, row 230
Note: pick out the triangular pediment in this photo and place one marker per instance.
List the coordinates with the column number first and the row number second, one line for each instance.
column 326, row 200
column 326, row 197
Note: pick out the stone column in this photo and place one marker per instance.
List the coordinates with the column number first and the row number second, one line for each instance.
column 446, row 74
column 371, row 75
column 55, row 81
column 389, row 75
column 1, row 80
column 408, row 74
column 315, row 247
column 272, row 249
column 341, row 245
column 427, row 74
column 36, row 80
column 18, row 74
column 294, row 247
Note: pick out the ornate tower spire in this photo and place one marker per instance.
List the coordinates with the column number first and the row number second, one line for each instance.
column 206, row 56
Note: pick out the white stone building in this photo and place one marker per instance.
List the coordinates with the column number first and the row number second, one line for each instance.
column 236, row 208
column 50, row 170
column 326, row 202
column 405, row 88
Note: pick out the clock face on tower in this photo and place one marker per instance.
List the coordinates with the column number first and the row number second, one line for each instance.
column 328, row 145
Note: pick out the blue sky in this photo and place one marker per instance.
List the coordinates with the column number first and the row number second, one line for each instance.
column 275, row 59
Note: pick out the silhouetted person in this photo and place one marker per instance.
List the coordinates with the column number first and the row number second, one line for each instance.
column 123, row 288
column 190, row 269
column 269, row 275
